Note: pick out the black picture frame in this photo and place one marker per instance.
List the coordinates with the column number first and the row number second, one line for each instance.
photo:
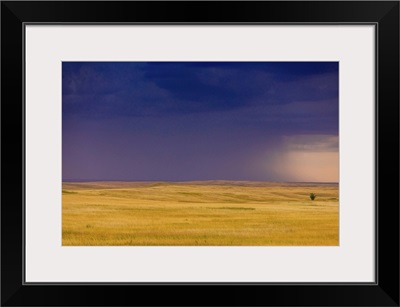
column 383, row 14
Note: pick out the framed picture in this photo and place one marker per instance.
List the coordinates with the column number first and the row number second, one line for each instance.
column 245, row 148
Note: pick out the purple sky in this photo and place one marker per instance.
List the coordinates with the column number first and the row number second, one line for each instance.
column 178, row 121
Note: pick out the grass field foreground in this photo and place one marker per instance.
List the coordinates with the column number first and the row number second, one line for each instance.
column 206, row 213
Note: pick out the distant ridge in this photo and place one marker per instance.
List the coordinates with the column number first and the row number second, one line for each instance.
column 128, row 184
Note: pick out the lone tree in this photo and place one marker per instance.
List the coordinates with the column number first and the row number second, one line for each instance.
column 312, row 196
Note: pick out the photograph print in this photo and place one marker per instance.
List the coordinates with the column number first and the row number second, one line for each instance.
column 200, row 153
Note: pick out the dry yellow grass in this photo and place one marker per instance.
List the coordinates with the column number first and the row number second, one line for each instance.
column 199, row 213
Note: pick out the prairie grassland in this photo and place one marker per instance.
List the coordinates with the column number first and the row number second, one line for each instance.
column 199, row 213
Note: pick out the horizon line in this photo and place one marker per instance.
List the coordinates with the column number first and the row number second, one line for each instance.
column 280, row 181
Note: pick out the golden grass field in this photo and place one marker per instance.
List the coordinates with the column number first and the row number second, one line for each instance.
column 235, row 213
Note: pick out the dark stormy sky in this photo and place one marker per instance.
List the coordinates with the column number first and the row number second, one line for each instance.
column 179, row 121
